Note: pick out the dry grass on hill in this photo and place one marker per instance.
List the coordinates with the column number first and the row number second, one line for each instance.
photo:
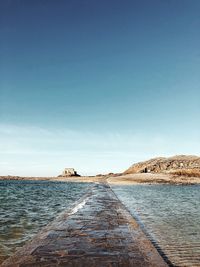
column 187, row 172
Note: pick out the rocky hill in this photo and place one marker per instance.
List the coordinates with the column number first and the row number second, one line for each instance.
column 162, row 164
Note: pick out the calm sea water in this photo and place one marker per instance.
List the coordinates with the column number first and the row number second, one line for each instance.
column 170, row 215
column 27, row 206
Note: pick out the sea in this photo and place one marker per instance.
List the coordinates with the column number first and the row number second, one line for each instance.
column 168, row 214
column 170, row 217
column 27, row 206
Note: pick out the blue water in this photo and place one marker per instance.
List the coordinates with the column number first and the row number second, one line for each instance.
column 27, row 206
column 170, row 216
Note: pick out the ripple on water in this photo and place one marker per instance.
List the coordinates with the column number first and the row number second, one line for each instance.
column 27, row 206
column 170, row 215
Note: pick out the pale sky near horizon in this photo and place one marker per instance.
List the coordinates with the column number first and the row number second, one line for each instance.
column 97, row 85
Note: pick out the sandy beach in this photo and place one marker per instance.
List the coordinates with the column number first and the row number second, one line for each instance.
column 149, row 178
column 123, row 179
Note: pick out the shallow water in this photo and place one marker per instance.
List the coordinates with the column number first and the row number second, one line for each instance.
column 170, row 216
column 27, row 206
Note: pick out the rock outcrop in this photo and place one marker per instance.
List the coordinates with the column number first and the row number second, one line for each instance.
column 68, row 172
column 162, row 164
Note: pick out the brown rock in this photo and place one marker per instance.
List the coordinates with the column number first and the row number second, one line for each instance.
column 162, row 164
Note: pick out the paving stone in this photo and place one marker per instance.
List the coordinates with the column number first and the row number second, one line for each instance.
column 102, row 233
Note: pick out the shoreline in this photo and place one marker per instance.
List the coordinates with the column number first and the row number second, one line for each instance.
column 105, row 181
column 123, row 179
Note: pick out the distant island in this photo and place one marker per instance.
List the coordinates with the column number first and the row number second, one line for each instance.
column 69, row 172
column 181, row 165
column 180, row 169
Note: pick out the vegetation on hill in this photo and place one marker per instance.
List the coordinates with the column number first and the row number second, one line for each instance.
column 188, row 173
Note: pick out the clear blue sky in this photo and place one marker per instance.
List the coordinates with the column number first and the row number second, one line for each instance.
column 97, row 85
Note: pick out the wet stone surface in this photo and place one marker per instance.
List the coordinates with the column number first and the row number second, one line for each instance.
column 97, row 231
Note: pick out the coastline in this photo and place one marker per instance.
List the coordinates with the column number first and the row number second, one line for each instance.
column 121, row 179
column 153, row 178
column 98, row 182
